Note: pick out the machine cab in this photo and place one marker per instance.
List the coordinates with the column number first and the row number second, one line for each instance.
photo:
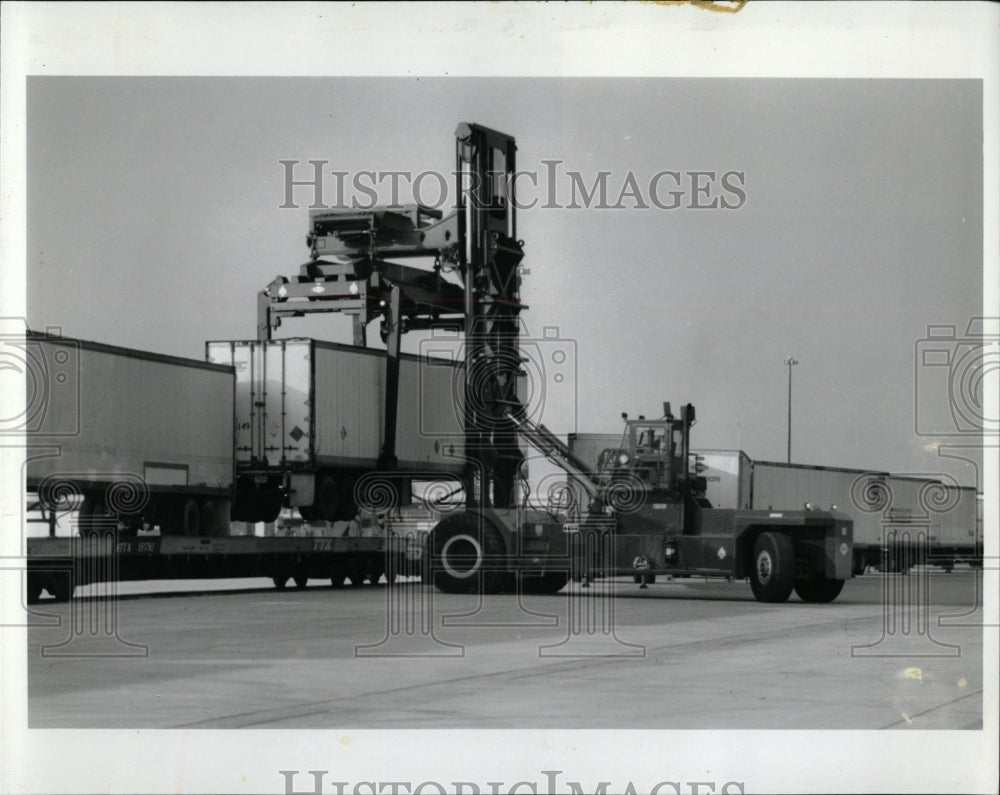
column 653, row 452
column 653, row 449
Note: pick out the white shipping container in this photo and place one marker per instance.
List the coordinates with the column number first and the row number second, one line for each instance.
column 944, row 513
column 859, row 493
column 728, row 477
column 955, row 516
column 113, row 413
column 307, row 403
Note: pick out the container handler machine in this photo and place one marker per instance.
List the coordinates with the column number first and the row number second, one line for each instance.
column 647, row 513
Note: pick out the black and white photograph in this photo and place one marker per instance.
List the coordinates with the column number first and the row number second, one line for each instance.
column 499, row 398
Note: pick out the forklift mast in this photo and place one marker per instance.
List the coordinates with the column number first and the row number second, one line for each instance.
column 489, row 259
column 478, row 243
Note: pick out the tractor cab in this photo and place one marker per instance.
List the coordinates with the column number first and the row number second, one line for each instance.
column 653, row 453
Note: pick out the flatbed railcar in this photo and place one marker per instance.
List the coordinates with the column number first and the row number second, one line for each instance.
column 136, row 451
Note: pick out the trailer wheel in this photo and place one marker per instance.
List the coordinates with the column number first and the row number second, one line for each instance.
column 337, row 575
column 818, row 590
column 280, row 581
column 326, row 502
column 300, row 581
column 212, row 518
column 772, row 575
column 269, row 507
column 859, row 563
column 463, row 545
column 185, row 517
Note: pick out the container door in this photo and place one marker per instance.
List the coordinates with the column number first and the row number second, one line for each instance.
column 289, row 399
column 239, row 355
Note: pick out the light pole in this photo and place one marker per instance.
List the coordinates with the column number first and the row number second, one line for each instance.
column 790, row 361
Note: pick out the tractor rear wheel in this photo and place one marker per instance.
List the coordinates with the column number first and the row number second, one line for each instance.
column 818, row 590
column 464, row 547
column 772, row 574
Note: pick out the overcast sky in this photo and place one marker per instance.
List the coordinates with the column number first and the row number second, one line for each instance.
column 153, row 219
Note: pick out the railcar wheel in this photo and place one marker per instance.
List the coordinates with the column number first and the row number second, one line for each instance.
column 818, row 590
column 551, row 582
column 60, row 585
column 35, row 587
column 772, row 575
column 357, row 572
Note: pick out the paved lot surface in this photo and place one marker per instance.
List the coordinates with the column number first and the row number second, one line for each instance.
column 892, row 652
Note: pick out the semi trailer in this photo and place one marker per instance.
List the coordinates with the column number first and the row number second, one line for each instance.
column 310, row 419
column 132, row 436
column 139, row 450
column 899, row 521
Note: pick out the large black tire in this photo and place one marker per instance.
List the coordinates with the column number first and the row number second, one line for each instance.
column 463, row 546
column 549, row 583
column 214, row 518
column 185, row 517
column 772, row 570
column 818, row 590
